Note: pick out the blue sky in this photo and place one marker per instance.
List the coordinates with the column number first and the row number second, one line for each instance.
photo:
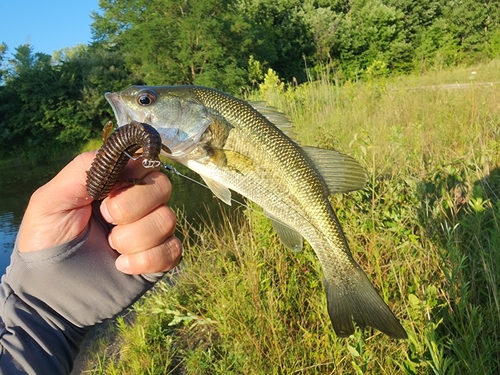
column 48, row 25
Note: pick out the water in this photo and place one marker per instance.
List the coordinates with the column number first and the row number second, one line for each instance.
column 18, row 183
column 16, row 186
column 8, row 229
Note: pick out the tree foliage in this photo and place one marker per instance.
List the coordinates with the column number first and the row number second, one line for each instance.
column 202, row 42
column 173, row 42
column 45, row 107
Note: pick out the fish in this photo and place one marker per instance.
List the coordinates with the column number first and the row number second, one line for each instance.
column 252, row 149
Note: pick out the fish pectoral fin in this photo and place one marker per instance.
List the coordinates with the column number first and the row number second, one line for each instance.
column 290, row 237
column 219, row 190
column 359, row 301
column 232, row 160
column 342, row 173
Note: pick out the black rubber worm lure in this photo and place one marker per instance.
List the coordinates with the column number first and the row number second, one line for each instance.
column 116, row 152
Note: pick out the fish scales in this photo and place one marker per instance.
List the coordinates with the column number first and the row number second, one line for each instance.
column 275, row 149
column 233, row 146
column 300, row 176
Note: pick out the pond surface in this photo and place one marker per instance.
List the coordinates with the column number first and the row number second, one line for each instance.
column 18, row 183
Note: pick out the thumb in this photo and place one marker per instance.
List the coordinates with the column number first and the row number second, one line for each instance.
column 59, row 210
column 67, row 191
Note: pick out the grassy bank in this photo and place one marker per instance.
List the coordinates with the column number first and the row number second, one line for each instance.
column 426, row 230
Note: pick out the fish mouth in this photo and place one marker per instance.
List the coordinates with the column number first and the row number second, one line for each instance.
column 122, row 118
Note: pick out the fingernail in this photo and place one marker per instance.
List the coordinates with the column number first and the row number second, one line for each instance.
column 122, row 264
column 105, row 213
column 110, row 242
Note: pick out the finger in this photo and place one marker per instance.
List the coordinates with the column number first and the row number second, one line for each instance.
column 144, row 233
column 131, row 203
column 161, row 258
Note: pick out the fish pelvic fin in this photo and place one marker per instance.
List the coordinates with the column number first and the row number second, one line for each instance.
column 360, row 302
column 219, row 190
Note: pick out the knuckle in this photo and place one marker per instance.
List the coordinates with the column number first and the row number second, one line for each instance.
column 165, row 220
column 162, row 185
column 174, row 246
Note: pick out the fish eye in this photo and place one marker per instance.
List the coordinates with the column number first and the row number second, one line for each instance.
column 146, row 97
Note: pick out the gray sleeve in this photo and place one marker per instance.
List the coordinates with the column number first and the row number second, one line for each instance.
column 50, row 299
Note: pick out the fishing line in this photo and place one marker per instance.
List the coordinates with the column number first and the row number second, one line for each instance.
column 172, row 169
column 175, row 171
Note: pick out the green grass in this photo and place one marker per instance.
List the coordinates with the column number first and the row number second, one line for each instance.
column 426, row 230
column 93, row 144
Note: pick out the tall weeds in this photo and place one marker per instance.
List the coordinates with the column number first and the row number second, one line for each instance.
column 426, row 230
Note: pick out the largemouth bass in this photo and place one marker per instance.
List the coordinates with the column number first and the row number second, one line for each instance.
column 250, row 149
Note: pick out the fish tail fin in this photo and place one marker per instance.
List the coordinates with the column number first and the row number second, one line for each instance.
column 359, row 301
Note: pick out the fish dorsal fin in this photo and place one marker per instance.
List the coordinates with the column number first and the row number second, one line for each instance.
column 278, row 118
column 290, row 237
column 219, row 190
column 342, row 173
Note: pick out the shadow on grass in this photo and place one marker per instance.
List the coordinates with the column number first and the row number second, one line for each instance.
column 461, row 214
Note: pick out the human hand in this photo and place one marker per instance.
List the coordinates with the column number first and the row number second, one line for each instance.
column 143, row 226
column 77, row 262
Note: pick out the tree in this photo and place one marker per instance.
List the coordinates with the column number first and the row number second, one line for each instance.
column 323, row 24
column 27, row 80
column 283, row 34
column 418, row 14
column 472, row 22
column 176, row 41
column 372, row 33
column 46, row 107
column 3, row 51
column 436, row 45
column 207, row 42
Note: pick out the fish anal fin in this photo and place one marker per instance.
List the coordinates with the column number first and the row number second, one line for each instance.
column 219, row 190
column 289, row 237
column 341, row 173
column 360, row 302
